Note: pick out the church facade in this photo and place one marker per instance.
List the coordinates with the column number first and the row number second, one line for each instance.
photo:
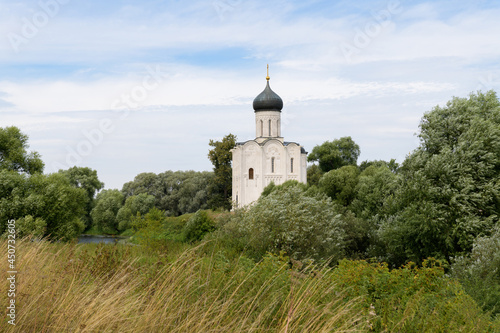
column 268, row 158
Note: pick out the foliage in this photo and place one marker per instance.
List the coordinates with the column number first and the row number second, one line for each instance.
column 479, row 272
column 290, row 220
column 176, row 193
column 13, row 154
column 374, row 191
column 392, row 165
column 153, row 219
column 314, row 174
column 197, row 226
column 136, row 204
column 411, row 298
column 30, row 226
column 48, row 197
column 149, row 229
column 339, row 184
column 335, row 154
column 104, row 214
column 200, row 289
column 221, row 158
column 85, row 178
column 449, row 190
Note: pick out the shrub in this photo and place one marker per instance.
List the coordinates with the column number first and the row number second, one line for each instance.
column 411, row 298
column 292, row 220
column 30, row 226
column 479, row 272
column 197, row 226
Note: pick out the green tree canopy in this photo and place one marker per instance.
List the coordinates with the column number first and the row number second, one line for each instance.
column 50, row 201
column 221, row 158
column 175, row 192
column 339, row 184
column 86, row 179
column 14, row 155
column 449, row 189
column 108, row 203
column 335, row 154
column 374, row 191
column 136, row 204
column 314, row 174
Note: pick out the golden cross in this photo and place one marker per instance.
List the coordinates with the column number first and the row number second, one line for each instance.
column 267, row 78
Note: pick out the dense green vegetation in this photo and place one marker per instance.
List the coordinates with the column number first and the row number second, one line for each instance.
column 175, row 287
column 375, row 246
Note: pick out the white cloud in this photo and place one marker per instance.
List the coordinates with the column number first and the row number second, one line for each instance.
column 68, row 77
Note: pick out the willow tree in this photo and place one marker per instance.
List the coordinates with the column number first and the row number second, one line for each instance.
column 449, row 191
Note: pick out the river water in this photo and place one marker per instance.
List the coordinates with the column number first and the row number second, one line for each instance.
column 99, row 239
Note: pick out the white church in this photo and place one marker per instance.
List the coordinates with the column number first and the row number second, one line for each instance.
column 268, row 158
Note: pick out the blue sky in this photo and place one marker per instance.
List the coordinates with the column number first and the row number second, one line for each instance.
column 126, row 87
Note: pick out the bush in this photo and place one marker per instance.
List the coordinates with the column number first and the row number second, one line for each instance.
column 411, row 298
column 30, row 226
column 197, row 226
column 289, row 219
column 479, row 272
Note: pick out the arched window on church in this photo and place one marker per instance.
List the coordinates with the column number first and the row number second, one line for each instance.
column 291, row 165
column 269, row 127
column 261, row 127
column 250, row 173
column 272, row 164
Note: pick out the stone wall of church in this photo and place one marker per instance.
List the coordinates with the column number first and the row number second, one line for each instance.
column 257, row 165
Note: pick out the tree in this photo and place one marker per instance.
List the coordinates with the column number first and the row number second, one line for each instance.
column 339, row 184
column 108, row 203
column 49, row 201
column 136, row 204
column 146, row 182
column 314, row 174
column 335, row 154
column 221, row 158
column 449, row 190
column 175, row 192
column 86, row 179
column 184, row 191
column 374, row 191
column 13, row 154
column 392, row 165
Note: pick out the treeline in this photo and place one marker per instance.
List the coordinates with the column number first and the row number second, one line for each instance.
column 174, row 193
column 62, row 205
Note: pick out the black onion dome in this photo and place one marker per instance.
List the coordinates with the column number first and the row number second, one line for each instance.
column 267, row 100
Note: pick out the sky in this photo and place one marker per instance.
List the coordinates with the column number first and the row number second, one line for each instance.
column 126, row 87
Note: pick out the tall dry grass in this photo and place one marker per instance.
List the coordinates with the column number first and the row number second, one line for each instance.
column 80, row 288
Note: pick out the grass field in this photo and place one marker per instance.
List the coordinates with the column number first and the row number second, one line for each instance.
column 183, row 288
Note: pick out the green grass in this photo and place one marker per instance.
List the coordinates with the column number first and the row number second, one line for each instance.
column 183, row 288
